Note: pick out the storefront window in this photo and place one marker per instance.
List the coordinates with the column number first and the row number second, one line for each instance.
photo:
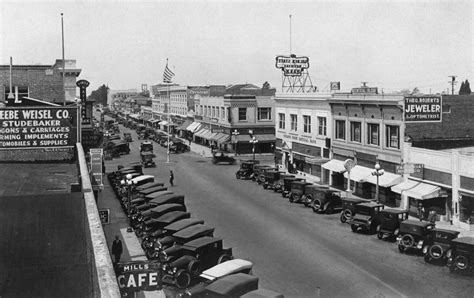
column 355, row 132
column 340, row 129
column 466, row 208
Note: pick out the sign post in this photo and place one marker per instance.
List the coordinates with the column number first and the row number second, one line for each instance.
column 96, row 168
column 349, row 164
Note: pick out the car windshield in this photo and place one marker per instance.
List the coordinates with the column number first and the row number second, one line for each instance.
column 364, row 210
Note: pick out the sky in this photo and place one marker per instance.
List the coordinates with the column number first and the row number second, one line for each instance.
column 392, row 45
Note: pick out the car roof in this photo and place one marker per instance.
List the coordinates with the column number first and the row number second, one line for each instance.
column 142, row 177
column 318, row 186
column 301, row 182
column 416, row 223
column 370, row 204
column 192, row 231
column 164, row 207
column 394, row 211
column 150, row 185
column 183, row 223
column 226, row 268
column 167, row 198
column 446, row 231
column 151, row 190
column 158, row 193
column 203, row 241
column 234, row 284
column 464, row 240
column 173, row 216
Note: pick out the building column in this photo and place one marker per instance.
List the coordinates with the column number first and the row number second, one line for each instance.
column 455, row 183
column 406, row 146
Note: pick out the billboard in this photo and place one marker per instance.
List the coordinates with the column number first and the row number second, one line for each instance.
column 422, row 109
column 38, row 127
column 292, row 66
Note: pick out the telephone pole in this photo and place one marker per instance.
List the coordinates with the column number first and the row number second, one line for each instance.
column 453, row 82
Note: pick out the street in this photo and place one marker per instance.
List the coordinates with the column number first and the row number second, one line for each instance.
column 294, row 250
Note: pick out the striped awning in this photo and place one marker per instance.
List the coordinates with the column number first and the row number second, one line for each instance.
column 418, row 190
column 334, row 165
column 193, row 127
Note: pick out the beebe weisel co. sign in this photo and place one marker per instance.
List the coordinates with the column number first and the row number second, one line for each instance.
column 422, row 109
column 38, row 127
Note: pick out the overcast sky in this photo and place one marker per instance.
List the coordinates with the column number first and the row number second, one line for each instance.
column 392, row 45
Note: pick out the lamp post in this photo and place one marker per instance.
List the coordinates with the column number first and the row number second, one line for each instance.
column 377, row 172
column 128, row 183
column 235, row 133
column 253, row 141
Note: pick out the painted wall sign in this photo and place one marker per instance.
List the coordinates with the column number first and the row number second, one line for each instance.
column 137, row 276
column 291, row 65
column 38, row 127
column 422, row 109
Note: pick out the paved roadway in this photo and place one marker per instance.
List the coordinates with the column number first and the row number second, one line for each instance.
column 295, row 251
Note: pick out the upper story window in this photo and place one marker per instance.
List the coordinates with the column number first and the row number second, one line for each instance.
column 355, row 131
column 242, row 114
column 322, row 126
column 373, row 134
column 393, row 136
column 264, row 114
column 340, row 129
column 222, row 112
column 293, row 122
column 281, row 121
column 306, row 124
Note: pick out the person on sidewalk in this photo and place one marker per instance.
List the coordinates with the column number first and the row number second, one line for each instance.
column 171, row 178
column 117, row 249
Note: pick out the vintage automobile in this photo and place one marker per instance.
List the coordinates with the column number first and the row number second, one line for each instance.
column 259, row 172
column 166, row 199
column 170, row 229
column 270, row 177
column 461, row 256
column 143, row 179
column 181, row 237
column 234, row 285
column 366, row 217
column 414, row 235
column 128, row 137
column 297, row 191
column 436, row 251
column 182, row 263
column 246, row 169
column 349, row 208
column 178, row 146
column 324, row 200
column 146, row 195
column 278, row 185
column 146, row 146
column 163, row 221
column 217, row 272
column 147, row 219
column 311, row 192
column 219, row 156
column 286, row 191
column 131, row 165
column 120, row 148
column 149, row 185
column 147, row 159
column 389, row 222
column 262, row 293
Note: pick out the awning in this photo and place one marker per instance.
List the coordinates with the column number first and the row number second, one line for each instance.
column 153, row 120
column 193, row 127
column 417, row 190
column 185, row 125
column 200, row 133
column 359, row 173
column 386, row 180
column 164, row 122
column 334, row 165
column 260, row 137
column 222, row 137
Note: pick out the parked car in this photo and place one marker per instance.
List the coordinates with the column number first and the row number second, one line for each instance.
column 390, row 219
column 217, row 272
column 287, row 182
column 414, row 235
column 323, row 200
column 246, row 169
column 234, row 285
column 366, row 217
column 219, row 156
column 149, row 185
column 260, row 179
column 128, row 137
column 146, row 146
column 258, row 170
column 270, row 177
column 442, row 243
column 163, row 221
column 348, row 208
column 182, row 263
column 147, row 159
column 278, row 185
column 147, row 220
column 119, row 148
column 166, row 199
column 178, row 146
column 297, row 191
column 461, row 256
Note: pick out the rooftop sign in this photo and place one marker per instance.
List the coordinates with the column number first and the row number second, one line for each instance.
column 422, row 109
column 292, row 66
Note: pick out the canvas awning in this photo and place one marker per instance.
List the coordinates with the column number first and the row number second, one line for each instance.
column 193, row 127
column 417, row 190
column 185, row 125
column 334, row 165
column 200, row 133
column 262, row 138
column 385, row 180
column 164, row 122
column 359, row 173
column 223, row 138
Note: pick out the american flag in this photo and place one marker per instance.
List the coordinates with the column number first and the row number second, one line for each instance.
column 167, row 74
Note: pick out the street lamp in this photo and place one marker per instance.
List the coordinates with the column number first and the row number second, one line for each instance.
column 128, row 183
column 377, row 172
column 236, row 135
column 253, row 140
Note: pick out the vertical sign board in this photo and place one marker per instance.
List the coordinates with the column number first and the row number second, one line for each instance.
column 38, row 127
column 83, row 84
column 138, row 276
column 104, row 215
column 96, row 168
column 422, row 109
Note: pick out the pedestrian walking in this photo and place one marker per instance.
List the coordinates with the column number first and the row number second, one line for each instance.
column 117, row 249
column 171, row 178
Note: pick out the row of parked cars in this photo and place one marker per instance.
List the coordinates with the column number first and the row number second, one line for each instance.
column 176, row 145
column 437, row 245
column 193, row 261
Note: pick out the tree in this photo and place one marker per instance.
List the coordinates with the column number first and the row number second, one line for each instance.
column 462, row 88
column 266, row 85
column 100, row 95
column 465, row 88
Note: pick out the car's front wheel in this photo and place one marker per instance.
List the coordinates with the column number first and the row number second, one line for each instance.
column 183, row 279
column 380, row 235
column 354, row 228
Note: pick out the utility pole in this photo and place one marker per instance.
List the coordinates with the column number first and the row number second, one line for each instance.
column 453, row 82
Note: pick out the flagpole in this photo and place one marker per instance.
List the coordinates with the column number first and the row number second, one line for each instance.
column 168, row 112
column 64, row 62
